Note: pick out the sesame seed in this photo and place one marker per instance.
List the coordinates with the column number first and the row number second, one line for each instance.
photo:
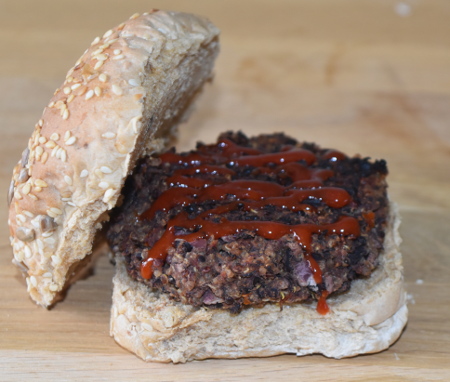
column 108, row 194
column 39, row 150
column 18, row 256
column 28, row 253
column 133, row 82
column 51, row 214
column 67, row 135
column 47, row 275
column 117, row 90
column 51, row 104
column 34, row 197
column 103, row 77
column 134, row 124
column 44, row 157
column 33, row 280
column 21, row 218
column 23, row 176
column 56, row 260
column 96, row 41
column 63, row 155
column 89, row 94
column 51, row 144
column 108, row 33
column 42, row 140
column 96, row 52
column 53, row 287
column 71, row 204
column 17, row 195
column 37, row 189
column 40, row 183
column 55, row 210
column 84, row 173
column 58, row 152
column 117, row 51
column 109, row 135
column 101, row 57
column 98, row 91
column 103, row 185
column 69, row 78
column 28, row 213
column 75, row 86
column 71, row 141
column 67, row 90
column 98, row 65
column 121, row 26
column 135, row 16
column 65, row 114
column 55, row 150
column 105, row 170
column 82, row 90
column 70, row 98
column 10, row 192
column 68, row 180
column 119, row 57
column 54, row 136
column 26, row 189
column 47, row 234
column 41, row 123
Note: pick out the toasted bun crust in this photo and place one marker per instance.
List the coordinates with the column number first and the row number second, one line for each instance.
column 121, row 100
column 367, row 319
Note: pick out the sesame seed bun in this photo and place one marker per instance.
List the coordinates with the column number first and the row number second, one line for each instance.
column 122, row 100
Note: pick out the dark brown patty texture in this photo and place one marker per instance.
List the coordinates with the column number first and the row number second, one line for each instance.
column 166, row 243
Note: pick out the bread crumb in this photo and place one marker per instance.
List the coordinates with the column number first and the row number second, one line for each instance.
column 410, row 299
column 403, row 9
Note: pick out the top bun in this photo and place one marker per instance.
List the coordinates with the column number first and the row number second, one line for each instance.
column 122, row 100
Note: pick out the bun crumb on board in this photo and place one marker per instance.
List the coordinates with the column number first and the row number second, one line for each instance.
column 123, row 99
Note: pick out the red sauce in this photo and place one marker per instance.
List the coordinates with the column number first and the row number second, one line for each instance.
column 208, row 179
column 322, row 306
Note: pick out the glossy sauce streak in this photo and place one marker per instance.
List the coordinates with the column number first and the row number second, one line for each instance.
column 207, row 179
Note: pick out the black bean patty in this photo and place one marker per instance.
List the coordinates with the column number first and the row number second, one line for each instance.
column 245, row 268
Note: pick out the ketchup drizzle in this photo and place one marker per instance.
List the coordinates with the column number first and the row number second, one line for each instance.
column 208, row 179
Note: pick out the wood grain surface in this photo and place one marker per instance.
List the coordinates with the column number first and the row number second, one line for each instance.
column 368, row 77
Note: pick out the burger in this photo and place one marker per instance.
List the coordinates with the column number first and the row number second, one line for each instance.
column 249, row 246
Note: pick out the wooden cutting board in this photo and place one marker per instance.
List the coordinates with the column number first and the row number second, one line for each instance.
column 368, row 77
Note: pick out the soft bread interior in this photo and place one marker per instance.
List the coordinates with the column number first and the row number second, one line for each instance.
column 367, row 319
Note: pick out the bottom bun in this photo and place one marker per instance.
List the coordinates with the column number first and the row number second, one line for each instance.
column 366, row 319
